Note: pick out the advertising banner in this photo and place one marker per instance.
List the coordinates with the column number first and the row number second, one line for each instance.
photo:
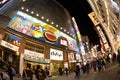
column 31, row 26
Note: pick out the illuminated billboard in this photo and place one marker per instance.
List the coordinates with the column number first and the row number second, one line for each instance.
column 31, row 26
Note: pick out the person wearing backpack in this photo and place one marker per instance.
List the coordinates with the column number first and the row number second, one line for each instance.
column 11, row 72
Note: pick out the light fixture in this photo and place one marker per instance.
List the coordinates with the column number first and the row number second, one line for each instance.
column 56, row 25
column 52, row 22
column 37, row 14
column 61, row 28
column 22, row 8
column 32, row 12
column 64, row 30
column 24, row 0
column 27, row 10
column 42, row 17
column 68, row 32
column 47, row 20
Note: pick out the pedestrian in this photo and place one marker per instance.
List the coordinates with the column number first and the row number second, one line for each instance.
column 87, row 67
column 103, row 64
column 114, row 57
column 77, row 71
column 94, row 66
column 11, row 71
column 60, row 71
column 83, row 68
column 118, row 60
column 66, row 71
column 33, row 76
column 99, row 65
column 47, row 73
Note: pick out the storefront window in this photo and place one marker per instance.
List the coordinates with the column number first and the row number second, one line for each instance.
column 34, row 47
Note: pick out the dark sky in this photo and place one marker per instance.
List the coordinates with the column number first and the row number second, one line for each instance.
column 80, row 9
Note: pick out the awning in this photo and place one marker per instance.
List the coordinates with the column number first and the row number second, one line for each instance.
column 35, row 61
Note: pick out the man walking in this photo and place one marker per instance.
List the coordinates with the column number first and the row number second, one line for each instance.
column 118, row 60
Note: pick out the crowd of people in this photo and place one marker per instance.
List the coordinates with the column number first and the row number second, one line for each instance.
column 39, row 74
column 97, row 65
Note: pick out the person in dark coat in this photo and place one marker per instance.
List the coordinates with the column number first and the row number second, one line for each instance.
column 114, row 57
column 118, row 57
column 77, row 71
column 11, row 72
column 60, row 71
column 118, row 60
column 99, row 65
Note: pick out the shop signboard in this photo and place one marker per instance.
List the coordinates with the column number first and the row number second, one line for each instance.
column 10, row 46
column 3, row 2
column 33, row 56
column 56, row 54
column 63, row 41
column 72, row 45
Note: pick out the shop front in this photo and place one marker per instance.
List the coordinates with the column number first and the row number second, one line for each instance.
column 10, row 51
column 56, row 57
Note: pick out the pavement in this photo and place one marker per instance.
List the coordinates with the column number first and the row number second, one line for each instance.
column 109, row 74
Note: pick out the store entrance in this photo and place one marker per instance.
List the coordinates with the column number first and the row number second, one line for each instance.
column 10, row 57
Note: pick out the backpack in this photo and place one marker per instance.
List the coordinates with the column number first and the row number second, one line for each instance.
column 13, row 71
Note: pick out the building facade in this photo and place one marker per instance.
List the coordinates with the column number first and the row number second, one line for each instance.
column 37, row 33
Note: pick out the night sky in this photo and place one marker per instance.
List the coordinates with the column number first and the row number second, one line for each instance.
column 80, row 9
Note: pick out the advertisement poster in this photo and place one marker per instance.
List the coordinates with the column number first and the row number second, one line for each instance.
column 33, row 27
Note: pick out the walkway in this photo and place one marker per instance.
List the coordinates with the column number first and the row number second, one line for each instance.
column 109, row 74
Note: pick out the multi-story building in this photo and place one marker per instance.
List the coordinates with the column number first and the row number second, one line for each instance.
column 107, row 13
column 37, row 33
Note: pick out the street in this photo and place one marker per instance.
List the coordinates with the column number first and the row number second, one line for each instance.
column 109, row 74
